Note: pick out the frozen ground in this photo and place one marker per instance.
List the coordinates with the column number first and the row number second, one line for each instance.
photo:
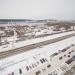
column 27, row 58
column 14, row 45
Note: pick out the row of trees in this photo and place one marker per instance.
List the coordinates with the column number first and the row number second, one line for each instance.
column 58, row 25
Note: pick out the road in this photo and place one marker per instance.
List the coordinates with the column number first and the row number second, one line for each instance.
column 32, row 46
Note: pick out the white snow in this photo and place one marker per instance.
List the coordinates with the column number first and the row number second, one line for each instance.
column 21, row 60
column 14, row 45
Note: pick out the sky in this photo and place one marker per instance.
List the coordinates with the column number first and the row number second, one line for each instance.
column 37, row 9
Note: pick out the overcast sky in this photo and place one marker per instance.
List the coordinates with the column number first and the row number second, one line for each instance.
column 37, row 9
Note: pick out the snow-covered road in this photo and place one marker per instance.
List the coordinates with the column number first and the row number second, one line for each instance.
column 14, row 45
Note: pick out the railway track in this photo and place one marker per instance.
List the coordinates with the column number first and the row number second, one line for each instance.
column 32, row 46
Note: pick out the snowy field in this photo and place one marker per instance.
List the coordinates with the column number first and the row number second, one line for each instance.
column 14, row 45
column 12, row 63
